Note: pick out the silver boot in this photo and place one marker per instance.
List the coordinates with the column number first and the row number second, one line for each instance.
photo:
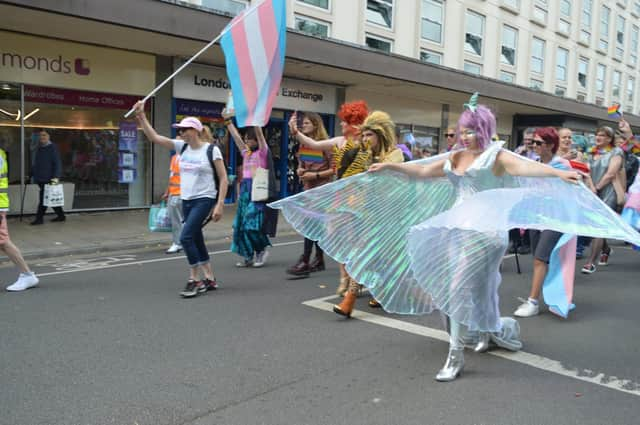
column 484, row 342
column 453, row 366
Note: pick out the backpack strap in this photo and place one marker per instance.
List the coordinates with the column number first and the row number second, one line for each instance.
column 184, row 148
column 216, row 178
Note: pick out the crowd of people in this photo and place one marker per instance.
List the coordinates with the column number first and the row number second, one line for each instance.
column 545, row 196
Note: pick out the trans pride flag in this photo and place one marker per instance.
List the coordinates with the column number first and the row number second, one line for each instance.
column 557, row 288
column 254, row 44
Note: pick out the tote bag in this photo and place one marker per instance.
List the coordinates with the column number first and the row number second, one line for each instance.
column 260, row 185
column 53, row 195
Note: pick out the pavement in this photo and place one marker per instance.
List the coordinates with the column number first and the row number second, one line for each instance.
column 94, row 232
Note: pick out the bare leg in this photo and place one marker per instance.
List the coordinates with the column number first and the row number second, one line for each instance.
column 207, row 271
column 15, row 256
column 596, row 248
column 540, row 269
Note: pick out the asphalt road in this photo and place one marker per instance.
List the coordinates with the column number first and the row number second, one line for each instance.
column 107, row 340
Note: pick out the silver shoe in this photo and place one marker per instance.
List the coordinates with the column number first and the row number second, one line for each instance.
column 484, row 342
column 453, row 366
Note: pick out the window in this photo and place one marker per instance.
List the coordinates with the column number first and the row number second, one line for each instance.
column 323, row 4
column 630, row 84
column 585, row 21
column 540, row 11
column 472, row 68
column 432, row 18
column 633, row 49
column 431, row 57
column 604, row 29
column 514, row 4
column 378, row 43
column 620, row 22
column 507, row 77
column 636, row 7
column 537, row 55
column 560, row 91
column 601, row 73
column 231, row 7
column 380, row 12
column 536, row 84
column 583, row 70
column 509, row 43
column 475, row 31
column 562, row 61
column 615, row 83
column 564, row 25
column 312, row 27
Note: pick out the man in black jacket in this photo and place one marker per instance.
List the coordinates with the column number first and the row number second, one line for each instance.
column 46, row 169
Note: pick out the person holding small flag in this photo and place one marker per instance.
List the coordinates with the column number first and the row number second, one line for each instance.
column 314, row 169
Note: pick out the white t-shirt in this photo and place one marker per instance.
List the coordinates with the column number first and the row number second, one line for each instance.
column 196, row 174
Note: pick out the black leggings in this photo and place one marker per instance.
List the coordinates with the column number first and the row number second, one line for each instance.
column 308, row 247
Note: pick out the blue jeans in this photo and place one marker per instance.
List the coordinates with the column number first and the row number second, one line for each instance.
column 195, row 212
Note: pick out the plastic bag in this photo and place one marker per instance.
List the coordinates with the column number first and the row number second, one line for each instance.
column 159, row 219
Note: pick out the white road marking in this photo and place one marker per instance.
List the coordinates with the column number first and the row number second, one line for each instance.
column 102, row 265
column 533, row 360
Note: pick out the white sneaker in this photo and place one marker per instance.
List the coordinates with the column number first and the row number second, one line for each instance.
column 174, row 248
column 527, row 309
column 25, row 281
column 261, row 258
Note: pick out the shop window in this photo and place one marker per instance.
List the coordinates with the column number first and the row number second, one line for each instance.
column 432, row 20
column 431, row 57
column 323, row 4
column 474, row 33
column 380, row 12
column 104, row 157
column 312, row 26
column 378, row 43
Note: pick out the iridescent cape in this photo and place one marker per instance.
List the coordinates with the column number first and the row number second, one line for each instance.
column 425, row 244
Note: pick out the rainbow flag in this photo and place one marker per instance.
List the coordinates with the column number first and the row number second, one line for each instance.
column 557, row 288
column 310, row 155
column 254, row 43
column 614, row 111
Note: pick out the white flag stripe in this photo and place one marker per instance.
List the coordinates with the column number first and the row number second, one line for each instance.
column 257, row 55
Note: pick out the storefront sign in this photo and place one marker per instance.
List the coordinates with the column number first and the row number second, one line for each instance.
column 198, row 109
column 78, row 98
column 47, row 62
column 199, row 82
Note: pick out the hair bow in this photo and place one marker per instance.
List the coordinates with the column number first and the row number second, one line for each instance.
column 473, row 103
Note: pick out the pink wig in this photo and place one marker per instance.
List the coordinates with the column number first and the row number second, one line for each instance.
column 482, row 122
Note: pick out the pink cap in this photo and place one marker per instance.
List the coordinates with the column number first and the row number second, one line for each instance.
column 189, row 122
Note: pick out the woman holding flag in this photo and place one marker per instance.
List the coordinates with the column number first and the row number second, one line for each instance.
column 314, row 169
column 249, row 241
column 201, row 199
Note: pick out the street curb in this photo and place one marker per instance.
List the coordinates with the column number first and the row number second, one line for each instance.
column 119, row 246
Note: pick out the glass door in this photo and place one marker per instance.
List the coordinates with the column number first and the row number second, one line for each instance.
column 11, row 117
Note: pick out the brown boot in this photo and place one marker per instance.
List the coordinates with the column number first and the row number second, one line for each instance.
column 317, row 264
column 301, row 268
column 345, row 308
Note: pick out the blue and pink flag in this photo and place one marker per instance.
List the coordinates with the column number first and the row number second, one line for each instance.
column 254, row 45
column 557, row 288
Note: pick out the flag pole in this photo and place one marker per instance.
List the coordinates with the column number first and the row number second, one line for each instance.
column 176, row 72
column 184, row 65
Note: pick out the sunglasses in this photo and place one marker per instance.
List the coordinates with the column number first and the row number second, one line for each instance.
column 183, row 130
column 539, row 142
column 450, row 134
